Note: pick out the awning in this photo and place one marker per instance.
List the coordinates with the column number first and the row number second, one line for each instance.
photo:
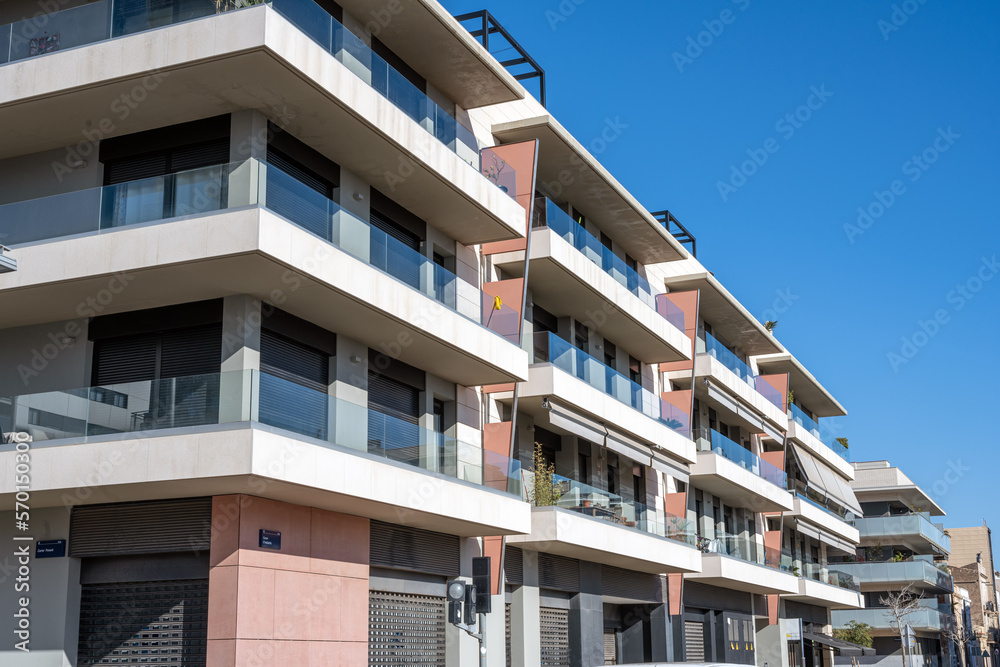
column 824, row 480
column 807, row 530
column 575, row 423
column 835, row 542
column 622, row 444
column 842, row 647
column 668, row 467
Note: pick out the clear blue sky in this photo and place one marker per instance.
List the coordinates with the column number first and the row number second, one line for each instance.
column 894, row 85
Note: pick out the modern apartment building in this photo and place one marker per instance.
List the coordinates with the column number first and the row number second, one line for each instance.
column 972, row 566
column 901, row 549
column 308, row 304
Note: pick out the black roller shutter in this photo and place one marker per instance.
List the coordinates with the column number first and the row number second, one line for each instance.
column 406, row 548
column 393, row 415
column 629, row 584
column 395, row 250
column 405, row 629
column 126, row 359
column 159, row 526
column 147, row 624
column 558, row 572
column 513, row 565
column 167, row 161
column 294, row 385
column 299, row 195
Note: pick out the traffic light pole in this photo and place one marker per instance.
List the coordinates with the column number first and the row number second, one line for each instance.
column 480, row 636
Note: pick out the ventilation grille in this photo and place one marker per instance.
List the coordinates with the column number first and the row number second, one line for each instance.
column 513, row 565
column 506, row 620
column 405, row 629
column 558, row 573
column 694, row 641
column 628, row 584
column 610, row 647
column 405, row 548
column 144, row 624
column 554, row 637
column 141, row 528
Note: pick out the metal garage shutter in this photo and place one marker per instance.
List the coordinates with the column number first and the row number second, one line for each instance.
column 622, row 583
column 506, row 621
column 393, row 412
column 694, row 641
column 554, row 636
column 405, row 548
column 558, row 573
column 405, row 629
column 158, row 526
column 144, row 624
column 610, row 646
column 293, row 385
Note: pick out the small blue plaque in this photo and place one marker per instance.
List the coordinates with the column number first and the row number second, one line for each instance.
column 50, row 549
column 270, row 539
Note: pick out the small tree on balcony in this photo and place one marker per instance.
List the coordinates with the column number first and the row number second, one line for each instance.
column 856, row 633
column 542, row 491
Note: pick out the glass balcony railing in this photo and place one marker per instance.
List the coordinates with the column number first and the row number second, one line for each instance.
column 242, row 184
column 559, row 491
column 880, row 619
column 109, row 19
column 821, row 434
column 745, row 548
column 251, row 396
column 919, row 572
column 831, row 576
column 713, row 441
column 712, row 347
column 548, row 214
column 550, row 348
column 888, row 527
column 823, row 504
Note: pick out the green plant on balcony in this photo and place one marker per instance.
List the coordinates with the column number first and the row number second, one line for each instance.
column 542, row 491
column 843, row 442
column 770, row 324
column 875, row 552
column 493, row 171
column 856, row 633
column 898, row 557
column 795, row 570
column 791, row 396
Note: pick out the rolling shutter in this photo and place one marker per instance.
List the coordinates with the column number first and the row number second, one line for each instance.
column 191, row 351
column 622, row 583
column 554, row 636
column 558, row 573
column 127, row 359
column 158, row 526
column 391, row 228
column 610, row 646
column 294, row 384
column 694, row 641
column 169, row 161
column 513, row 565
column 146, row 624
column 406, row 548
column 299, row 194
column 393, row 413
column 406, row 629
column 395, row 251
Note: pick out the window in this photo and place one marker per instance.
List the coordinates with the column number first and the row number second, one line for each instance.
column 631, row 263
column 610, row 354
column 583, row 462
column 612, row 473
column 581, row 336
column 634, row 370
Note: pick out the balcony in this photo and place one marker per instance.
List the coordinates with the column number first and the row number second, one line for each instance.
column 118, row 223
column 576, row 520
column 914, row 531
column 828, row 587
column 575, row 271
column 895, row 574
column 371, row 120
column 741, row 563
column 728, row 470
column 213, row 433
column 926, row 619
column 569, row 374
column 830, row 519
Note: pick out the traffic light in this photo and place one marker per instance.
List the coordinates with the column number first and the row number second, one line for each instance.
column 481, row 579
column 456, row 596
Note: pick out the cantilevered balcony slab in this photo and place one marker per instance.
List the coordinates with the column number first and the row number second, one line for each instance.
column 736, row 485
column 826, row 595
column 251, row 58
column 259, row 460
column 819, row 449
column 803, row 510
column 567, row 533
column 740, row 575
column 253, row 251
column 563, row 276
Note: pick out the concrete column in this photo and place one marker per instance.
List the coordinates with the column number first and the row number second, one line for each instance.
column 496, row 633
column 525, row 629
column 350, row 224
column 665, row 635
column 633, row 637
column 350, row 389
column 241, row 322
column 586, row 619
column 247, row 139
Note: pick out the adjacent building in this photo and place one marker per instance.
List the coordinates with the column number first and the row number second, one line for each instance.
column 308, row 305
column 901, row 549
column 971, row 565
